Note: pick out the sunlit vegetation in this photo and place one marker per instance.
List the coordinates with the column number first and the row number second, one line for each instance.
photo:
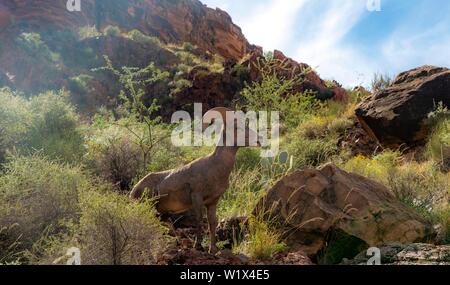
column 65, row 174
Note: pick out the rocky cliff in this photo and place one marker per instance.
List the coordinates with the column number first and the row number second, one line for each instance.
column 172, row 21
column 45, row 47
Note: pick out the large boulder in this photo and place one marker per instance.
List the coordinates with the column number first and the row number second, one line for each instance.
column 412, row 254
column 339, row 214
column 397, row 115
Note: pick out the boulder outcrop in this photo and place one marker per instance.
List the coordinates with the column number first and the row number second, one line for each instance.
column 328, row 209
column 398, row 115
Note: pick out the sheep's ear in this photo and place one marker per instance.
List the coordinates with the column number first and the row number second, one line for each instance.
column 221, row 110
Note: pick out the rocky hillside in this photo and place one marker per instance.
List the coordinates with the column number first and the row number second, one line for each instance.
column 171, row 21
column 46, row 47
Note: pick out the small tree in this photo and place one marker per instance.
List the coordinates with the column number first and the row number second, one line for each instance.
column 135, row 82
column 380, row 82
column 276, row 93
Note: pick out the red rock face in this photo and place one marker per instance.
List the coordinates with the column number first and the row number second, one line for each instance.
column 39, row 13
column 172, row 21
column 5, row 17
column 212, row 89
column 191, row 21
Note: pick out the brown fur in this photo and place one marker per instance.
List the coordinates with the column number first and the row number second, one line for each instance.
column 194, row 186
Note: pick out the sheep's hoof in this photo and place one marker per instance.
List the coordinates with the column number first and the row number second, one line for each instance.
column 213, row 250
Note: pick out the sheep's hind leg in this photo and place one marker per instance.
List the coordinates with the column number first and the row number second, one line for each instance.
column 197, row 206
column 212, row 221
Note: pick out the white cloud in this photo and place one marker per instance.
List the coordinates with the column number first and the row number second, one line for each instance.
column 315, row 32
column 311, row 31
column 271, row 24
column 405, row 49
column 323, row 45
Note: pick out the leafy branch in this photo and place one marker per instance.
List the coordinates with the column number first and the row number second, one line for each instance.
column 135, row 81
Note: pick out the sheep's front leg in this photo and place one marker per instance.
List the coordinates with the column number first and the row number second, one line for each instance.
column 197, row 206
column 212, row 221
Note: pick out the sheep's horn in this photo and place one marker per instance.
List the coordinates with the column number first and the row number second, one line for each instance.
column 223, row 112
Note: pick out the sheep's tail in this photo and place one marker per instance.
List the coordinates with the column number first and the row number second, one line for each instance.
column 148, row 183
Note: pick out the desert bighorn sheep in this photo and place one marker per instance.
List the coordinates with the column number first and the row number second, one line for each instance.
column 199, row 184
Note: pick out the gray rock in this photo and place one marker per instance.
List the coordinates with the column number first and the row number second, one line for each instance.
column 398, row 115
column 412, row 254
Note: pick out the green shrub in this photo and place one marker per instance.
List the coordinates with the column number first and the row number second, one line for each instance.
column 37, row 194
column 241, row 72
column 182, row 70
column 141, row 120
column 248, row 158
column 438, row 115
column 112, row 31
column 140, row 37
column 187, row 46
column 119, row 152
column 311, row 152
column 418, row 185
column 276, row 94
column 438, row 146
column 377, row 168
column 380, row 82
column 246, row 188
column 53, row 245
column 261, row 242
column 179, row 85
column 340, row 125
column 54, row 128
column 113, row 155
column 36, row 47
column 443, row 218
column 116, row 231
column 250, row 180
column 15, row 119
column 46, row 123
column 188, row 58
column 9, row 243
column 87, row 32
column 80, row 84
column 314, row 128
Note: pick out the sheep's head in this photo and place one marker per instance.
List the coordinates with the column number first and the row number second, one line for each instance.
column 234, row 128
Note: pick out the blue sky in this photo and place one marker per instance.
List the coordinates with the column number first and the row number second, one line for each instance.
column 345, row 41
